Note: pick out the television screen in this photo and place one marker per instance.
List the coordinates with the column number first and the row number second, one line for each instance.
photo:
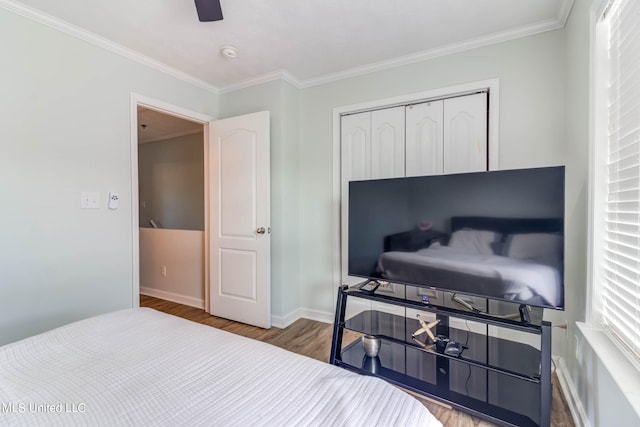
column 497, row 234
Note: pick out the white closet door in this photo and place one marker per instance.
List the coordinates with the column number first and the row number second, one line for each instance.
column 356, row 147
column 465, row 134
column 388, row 161
column 387, row 143
column 355, row 134
column 424, row 144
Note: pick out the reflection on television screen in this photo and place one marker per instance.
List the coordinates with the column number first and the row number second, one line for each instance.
column 493, row 234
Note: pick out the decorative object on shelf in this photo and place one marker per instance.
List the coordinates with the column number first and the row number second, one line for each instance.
column 371, row 364
column 454, row 348
column 426, row 328
column 371, row 345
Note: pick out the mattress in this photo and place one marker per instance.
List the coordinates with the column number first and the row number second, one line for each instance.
column 489, row 275
column 143, row 367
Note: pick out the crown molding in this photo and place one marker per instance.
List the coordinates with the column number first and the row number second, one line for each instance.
column 265, row 78
column 284, row 75
column 549, row 25
column 541, row 27
column 96, row 40
column 565, row 11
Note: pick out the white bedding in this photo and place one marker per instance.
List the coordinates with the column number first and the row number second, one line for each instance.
column 514, row 278
column 143, row 367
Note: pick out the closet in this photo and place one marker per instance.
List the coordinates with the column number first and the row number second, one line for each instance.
column 441, row 136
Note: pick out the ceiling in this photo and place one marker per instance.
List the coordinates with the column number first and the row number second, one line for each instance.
column 308, row 42
column 156, row 126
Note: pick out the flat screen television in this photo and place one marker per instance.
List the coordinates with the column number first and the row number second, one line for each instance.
column 497, row 234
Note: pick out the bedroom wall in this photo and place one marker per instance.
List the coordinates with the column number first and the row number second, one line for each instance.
column 171, row 182
column 530, row 70
column 172, row 265
column 65, row 110
column 281, row 99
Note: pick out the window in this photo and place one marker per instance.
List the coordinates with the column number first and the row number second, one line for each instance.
column 616, row 218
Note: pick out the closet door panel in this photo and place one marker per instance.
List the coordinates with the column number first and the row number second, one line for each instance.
column 356, row 146
column 424, row 142
column 465, row 134
column 355, row 134
column 387, row 143
column 388, row 161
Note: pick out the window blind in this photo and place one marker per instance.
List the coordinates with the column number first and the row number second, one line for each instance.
column 621, row 287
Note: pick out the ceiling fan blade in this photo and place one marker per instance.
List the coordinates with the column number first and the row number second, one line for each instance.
column 209, row 10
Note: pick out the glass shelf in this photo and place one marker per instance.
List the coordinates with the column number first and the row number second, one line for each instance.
column 461, row 384
column 503, row 374
column 483, row 351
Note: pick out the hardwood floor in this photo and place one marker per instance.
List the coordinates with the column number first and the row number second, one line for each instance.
column 313, row 339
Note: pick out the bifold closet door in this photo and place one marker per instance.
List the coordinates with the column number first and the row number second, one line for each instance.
column 387, row 143
column 425, row 140
column 465, row 134
column 355, row 139
column 372, row 147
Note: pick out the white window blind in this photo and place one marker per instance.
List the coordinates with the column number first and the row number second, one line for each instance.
column 621, row 287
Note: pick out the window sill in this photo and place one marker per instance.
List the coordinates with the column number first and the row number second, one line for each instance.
column 624, row 373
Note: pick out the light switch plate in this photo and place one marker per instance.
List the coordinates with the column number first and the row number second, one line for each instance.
column 89, row 200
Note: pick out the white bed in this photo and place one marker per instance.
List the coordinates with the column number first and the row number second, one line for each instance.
column 143, row 367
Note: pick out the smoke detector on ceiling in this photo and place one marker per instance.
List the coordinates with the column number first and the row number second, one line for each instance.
column 230, row 52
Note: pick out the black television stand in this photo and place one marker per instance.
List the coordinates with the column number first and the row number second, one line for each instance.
column 523, row 309
column 495, row 377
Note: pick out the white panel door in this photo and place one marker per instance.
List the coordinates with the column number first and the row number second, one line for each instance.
column 388, row 161
column 465, row 134
column 425, row 140
column 240, row 286
column 355, row 138
column 387, row 143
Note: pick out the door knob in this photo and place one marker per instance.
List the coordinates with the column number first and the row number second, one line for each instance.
column 260, row 230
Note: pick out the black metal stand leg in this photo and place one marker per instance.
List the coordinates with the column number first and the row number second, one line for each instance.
column 545, row 375
column 338, row 323
column 442, row 363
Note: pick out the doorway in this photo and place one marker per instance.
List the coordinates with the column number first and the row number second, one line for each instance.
column 169, row 151
column 236, row 239
column 171, row 207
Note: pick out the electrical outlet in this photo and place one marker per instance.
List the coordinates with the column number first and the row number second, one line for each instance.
column 163, row 271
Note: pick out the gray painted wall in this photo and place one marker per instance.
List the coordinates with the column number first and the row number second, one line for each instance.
column 65, row 109
column 171, row 182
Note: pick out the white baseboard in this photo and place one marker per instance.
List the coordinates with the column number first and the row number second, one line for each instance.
column 301, row 313
column 317, row 315
column 173, row 297
column 578, row 413
column 284, row 321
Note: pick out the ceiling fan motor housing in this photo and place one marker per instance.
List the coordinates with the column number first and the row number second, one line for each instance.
column 209, row 10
